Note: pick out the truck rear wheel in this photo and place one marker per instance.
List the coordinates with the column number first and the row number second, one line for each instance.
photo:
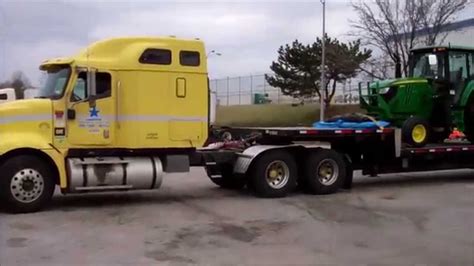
column 273, row 175
column 324, row 172
column 26, row 184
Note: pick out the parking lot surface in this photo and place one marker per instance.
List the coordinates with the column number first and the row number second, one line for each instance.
column 423, row 218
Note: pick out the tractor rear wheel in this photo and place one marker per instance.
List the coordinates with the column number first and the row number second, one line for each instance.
column 440, row 136
column 416, row 131
column 469, row 119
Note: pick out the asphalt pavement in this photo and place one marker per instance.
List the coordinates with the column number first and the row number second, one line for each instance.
column 423, row 218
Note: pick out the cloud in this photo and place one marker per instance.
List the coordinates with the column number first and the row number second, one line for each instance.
column 247, row 33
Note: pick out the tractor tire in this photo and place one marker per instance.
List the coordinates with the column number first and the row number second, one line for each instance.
column 416, row 131
column 26, row 184
column 469, row 119
column 440, row 137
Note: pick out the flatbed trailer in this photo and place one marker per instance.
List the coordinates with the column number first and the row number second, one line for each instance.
column 273, row 160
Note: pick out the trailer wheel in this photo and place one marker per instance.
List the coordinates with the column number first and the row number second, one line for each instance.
column 228, row 179
column 26, row 184
column 324, row 172
column 273, row 175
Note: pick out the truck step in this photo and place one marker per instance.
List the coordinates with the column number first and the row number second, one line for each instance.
column 104, row 188
column 87, row 161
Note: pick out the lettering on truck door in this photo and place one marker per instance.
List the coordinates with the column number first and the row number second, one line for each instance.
column 92, row 124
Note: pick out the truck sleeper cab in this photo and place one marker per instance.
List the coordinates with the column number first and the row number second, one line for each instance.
column 113, row 117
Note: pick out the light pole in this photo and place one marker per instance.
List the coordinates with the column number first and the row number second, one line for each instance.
column 323, row 64
column 3, row 29
column 213, row 52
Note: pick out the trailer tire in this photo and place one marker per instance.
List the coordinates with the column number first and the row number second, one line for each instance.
column 26, row 184
column 325, row 172
column 228, row 179
column 273, row 174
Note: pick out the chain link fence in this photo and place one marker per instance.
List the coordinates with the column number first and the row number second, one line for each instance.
column 255, row 89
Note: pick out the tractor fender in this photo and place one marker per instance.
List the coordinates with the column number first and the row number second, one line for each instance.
column 467, row 93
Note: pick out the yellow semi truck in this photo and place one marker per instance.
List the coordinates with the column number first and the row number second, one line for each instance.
column 103, row 119
column 124, row 111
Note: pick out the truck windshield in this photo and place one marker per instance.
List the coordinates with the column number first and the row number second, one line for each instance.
column 428, row 65
column 55, row 82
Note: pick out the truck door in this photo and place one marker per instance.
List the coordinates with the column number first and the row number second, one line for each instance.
column 91, row 124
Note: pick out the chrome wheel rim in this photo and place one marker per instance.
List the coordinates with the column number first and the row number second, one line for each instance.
column 327, row 172
column 277, row 174
column 27, row 185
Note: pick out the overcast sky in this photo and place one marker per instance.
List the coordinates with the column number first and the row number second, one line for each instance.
column 247, row 33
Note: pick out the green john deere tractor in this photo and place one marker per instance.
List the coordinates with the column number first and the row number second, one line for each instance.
column 437, row 96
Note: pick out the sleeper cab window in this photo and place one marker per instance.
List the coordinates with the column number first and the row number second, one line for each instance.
column 189, row 58
column 103, row 84
column 155, row 57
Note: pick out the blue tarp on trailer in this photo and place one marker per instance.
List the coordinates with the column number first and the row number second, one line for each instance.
column 350, row 125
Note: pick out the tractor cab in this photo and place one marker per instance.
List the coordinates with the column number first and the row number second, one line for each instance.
column 447, row 69
column 431, row 100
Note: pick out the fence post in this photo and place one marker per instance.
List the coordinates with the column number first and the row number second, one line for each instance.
column 240, row 90
column 228, row 91
column 251, row 89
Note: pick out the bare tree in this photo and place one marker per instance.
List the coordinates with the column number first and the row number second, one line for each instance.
column 19, row 82
column 396, row 26
column 379, row 67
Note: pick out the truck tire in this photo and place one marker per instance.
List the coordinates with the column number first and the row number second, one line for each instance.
column 324, row 172
column 26, row 184
column 273, row 174
column 228, row 179
column 416, row 131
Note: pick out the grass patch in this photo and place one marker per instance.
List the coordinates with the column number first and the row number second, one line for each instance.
column 272, row 115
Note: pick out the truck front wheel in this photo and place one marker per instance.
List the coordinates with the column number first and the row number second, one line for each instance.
column 26, row 184
column 274, row 174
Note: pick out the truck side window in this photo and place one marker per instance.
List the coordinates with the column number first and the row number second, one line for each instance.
column 103, row 83
column 189, row 58
column 80, row 91
column 156, row 57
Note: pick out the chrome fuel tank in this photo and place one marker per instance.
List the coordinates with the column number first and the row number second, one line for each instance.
column 113, row 173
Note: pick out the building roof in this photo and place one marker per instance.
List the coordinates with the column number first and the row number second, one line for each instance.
column 453, row 26
column 449, row 47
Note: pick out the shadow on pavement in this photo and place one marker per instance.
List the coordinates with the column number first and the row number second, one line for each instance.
column 169, row 196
